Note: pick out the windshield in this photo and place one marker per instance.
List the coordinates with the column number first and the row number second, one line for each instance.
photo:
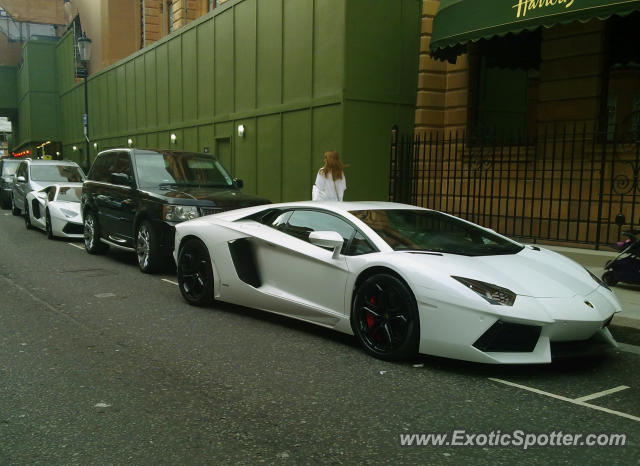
column 175, row 169
column 9, row 168
column 423, row 230
column 69, row 194
column 68, row 173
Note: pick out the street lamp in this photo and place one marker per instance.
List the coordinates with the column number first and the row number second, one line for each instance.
column 84, row 50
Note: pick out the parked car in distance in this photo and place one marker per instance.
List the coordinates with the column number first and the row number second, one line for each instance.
column 56, row 210
column 33, row 175
column 8, row 168
column 133, row 198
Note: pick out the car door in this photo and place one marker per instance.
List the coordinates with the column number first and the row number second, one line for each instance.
column 306, row 279
column 19, row 187
column 117, row 202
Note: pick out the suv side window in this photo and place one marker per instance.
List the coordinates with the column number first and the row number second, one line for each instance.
column 22, row 171
column 122, row 166
column 101, row 169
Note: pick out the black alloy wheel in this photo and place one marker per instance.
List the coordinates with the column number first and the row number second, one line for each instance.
column 27, row 217
column 92, row 242
column 48, row 226
column 195, row 274
column 384, row 318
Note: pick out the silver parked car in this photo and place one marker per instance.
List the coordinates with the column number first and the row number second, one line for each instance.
column 33, row 175
column 8, row 168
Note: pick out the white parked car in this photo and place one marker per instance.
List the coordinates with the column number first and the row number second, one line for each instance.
column 56, row 210
column 403, row 279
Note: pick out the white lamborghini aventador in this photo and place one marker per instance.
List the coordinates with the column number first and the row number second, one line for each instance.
column 56, row 210
column 402, row 279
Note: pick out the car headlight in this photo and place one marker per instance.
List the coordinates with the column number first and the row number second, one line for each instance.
column 179, row 213
column 68, row 213
column 597, row 279
column 494, row 294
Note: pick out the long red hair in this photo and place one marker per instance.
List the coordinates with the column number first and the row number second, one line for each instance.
column 333, row 165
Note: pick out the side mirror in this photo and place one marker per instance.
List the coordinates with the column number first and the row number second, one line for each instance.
column 20, row 179
column 238, row 182
column 120, row 179
column 327, row 239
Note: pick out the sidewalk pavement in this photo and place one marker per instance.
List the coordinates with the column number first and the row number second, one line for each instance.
column 628, row 295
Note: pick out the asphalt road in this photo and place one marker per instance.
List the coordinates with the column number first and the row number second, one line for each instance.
column 100, row 364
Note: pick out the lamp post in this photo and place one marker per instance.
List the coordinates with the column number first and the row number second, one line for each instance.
column 84, row 50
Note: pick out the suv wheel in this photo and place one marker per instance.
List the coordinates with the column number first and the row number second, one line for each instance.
column 14, row 209
column 92, row 235
column 27, row 217
column 148, row 248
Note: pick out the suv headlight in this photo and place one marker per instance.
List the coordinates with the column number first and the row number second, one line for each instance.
column 494, row 294
column 179, row 213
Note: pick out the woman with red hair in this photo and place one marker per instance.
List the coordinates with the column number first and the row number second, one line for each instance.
column 330, row 182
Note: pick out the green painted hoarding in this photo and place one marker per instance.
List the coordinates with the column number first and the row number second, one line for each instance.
column 302, row 76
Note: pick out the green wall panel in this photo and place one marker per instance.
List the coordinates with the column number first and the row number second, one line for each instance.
column 366, row 147
column 296, row 160
column 190, row 139
column 112, row 108
column 328, row 44
column 244, row 166
column 269, row 53
column 297, row 59
column 8, row 87
column 140, row 93
column 175, row 80
column 245, row 55
column 326, row 136
column 130, row 92
column 122, row 108
column 152, row 140
column 269, row 157
column 151, row 89
column 223, row 66
column 205, row 69
column 189, row 76
column 42, row 66
column 205, row 138
column 162, row 80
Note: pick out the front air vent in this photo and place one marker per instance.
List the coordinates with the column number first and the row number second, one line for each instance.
column 505, row 337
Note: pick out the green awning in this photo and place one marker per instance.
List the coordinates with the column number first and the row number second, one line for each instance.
column 460, row 21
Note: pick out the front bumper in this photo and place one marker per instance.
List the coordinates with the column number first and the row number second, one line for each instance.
column 529, row 332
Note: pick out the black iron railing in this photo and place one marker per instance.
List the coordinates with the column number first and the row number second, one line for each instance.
column 567, row 184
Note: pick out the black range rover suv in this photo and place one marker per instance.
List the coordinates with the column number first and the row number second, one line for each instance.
column 132, row 199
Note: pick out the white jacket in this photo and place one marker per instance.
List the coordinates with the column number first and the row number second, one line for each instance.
column 325, row 189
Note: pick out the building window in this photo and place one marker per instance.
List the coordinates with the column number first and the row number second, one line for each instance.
column 622, row 111
column 504, row 72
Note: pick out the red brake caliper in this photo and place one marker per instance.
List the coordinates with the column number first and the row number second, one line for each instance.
column 370, row 317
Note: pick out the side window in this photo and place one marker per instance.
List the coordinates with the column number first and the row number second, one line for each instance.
column 303, row 222
column 51, row 193
column 359, row 245
column 22, row 170
column 122, row 166
column 100, row 170
column 278, row 220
